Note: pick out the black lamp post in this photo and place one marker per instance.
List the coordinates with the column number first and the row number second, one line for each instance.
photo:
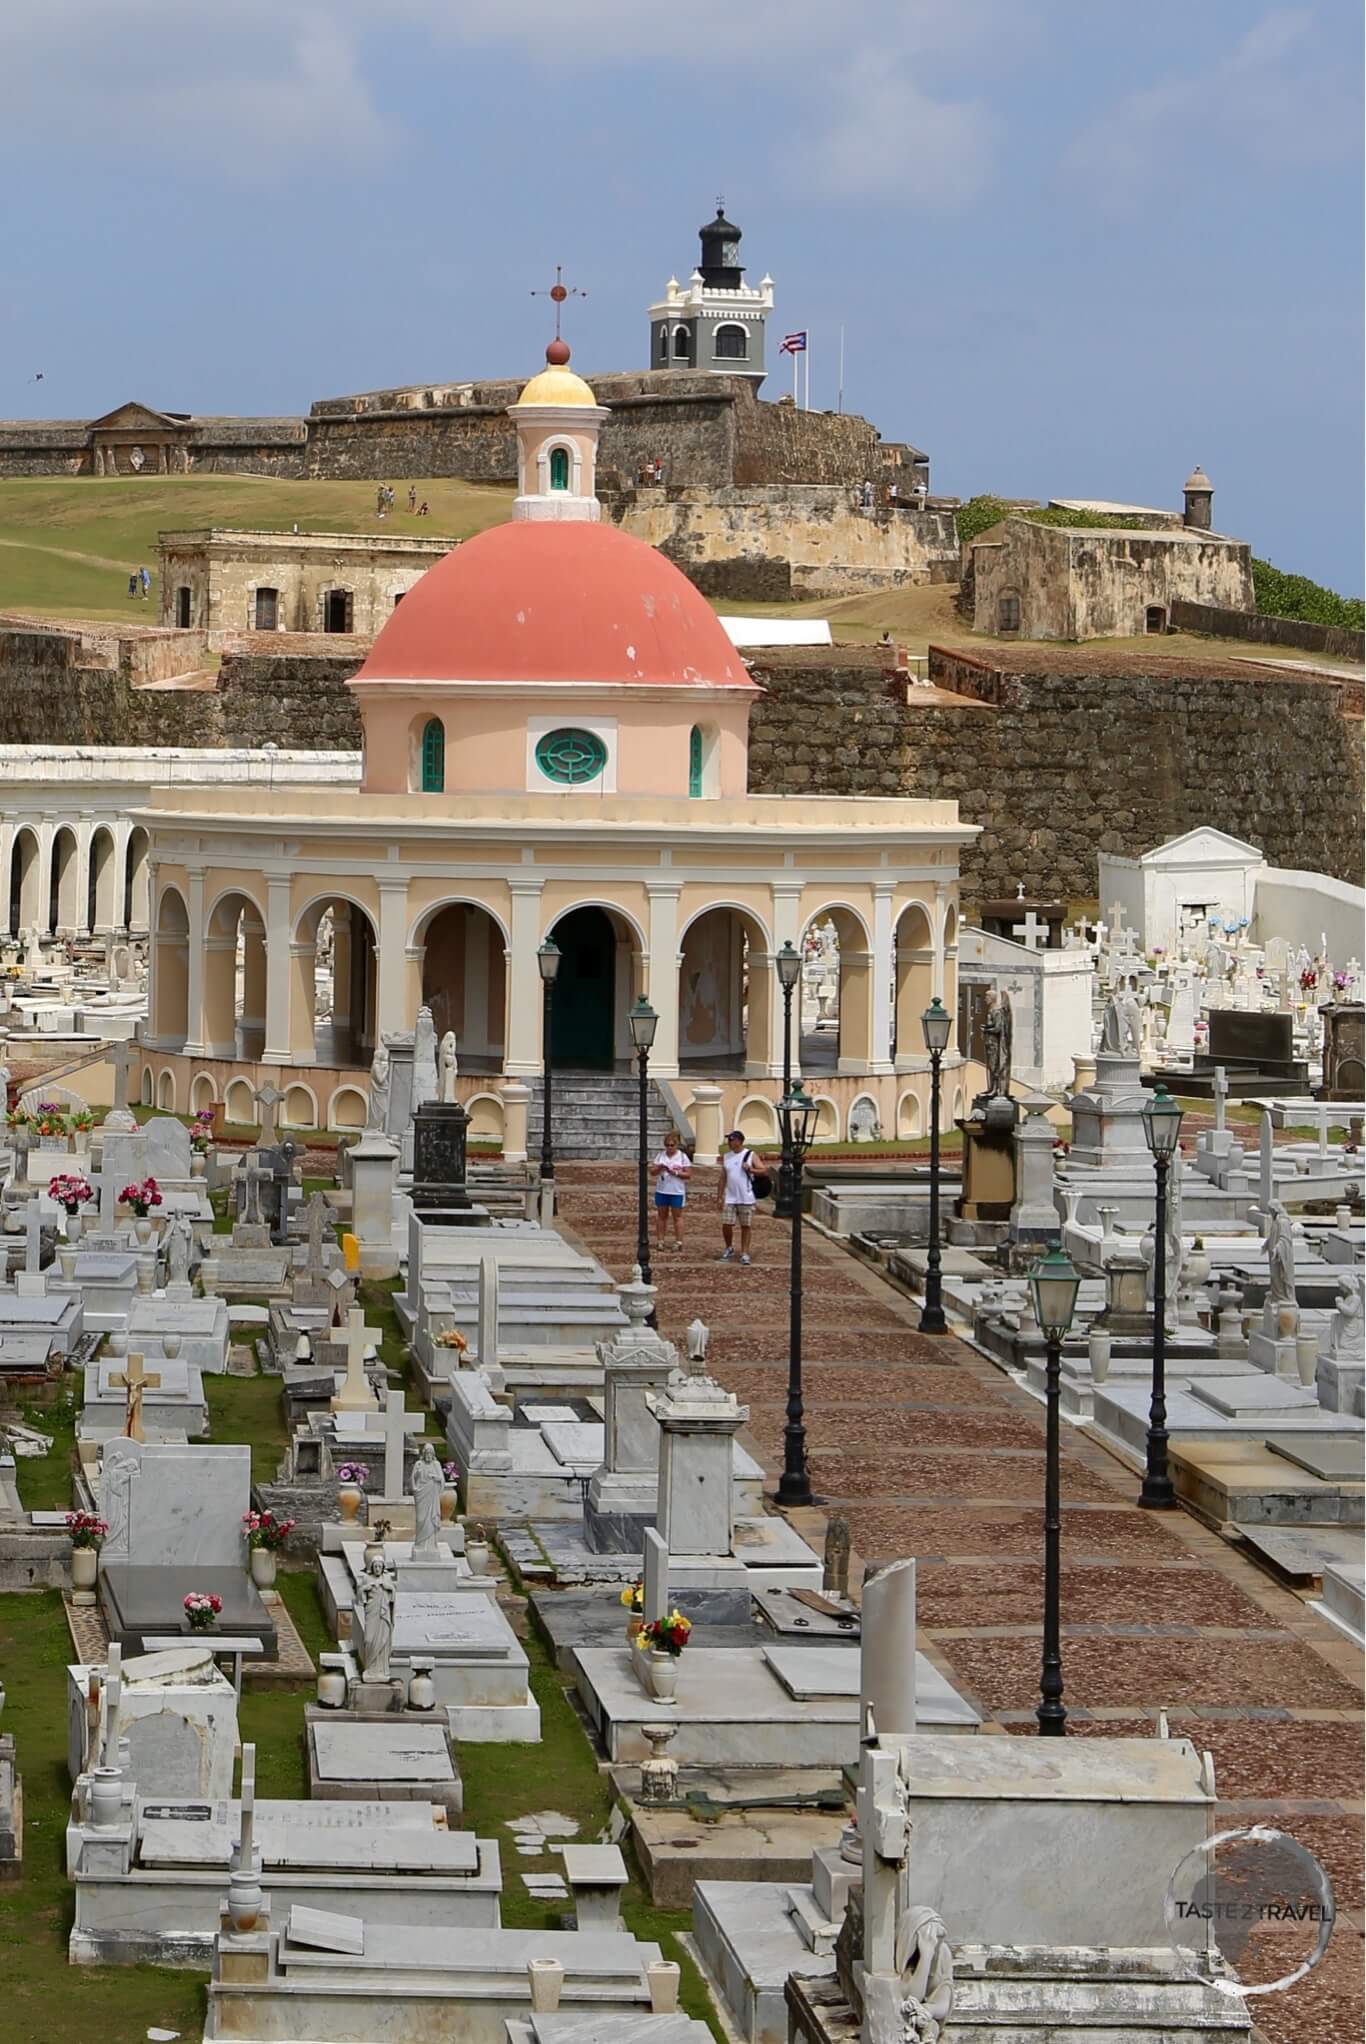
column 1055, row 1284
column 798, row 1115
column 548, row 959
column 1162, row 1127
column 936, row 1022
column 789, row 964
column 642, row 1023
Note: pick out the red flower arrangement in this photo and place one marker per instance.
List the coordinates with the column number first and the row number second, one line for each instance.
column 142, row 1197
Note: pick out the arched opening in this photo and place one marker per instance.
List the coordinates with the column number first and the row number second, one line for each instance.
column 347, row 1108
column 239, row 1104
column 663, row 344
column 725, row 994
column 837, row 992
column 757, row 1121
column 100, row 891
column 62, row 904
column 338, row 610
column 559, row 468
column 908, row 1117
column 695, row 760
column 145, row 1089
column 166, row 1092
column 1008, row 612
column 266, row 611
column 234, row 979
column 182, row 608
column 464, row 982
column 136, row 882
column 682, row 348
column 300, row 1109
column 25, row 861
column 1154, row 618
column 486, row 1118
column 202, row 1093
column 914, row 950
column 433, row 757
column 732, row 343
column 170, row 974
column 588, row 998
column 332, row 997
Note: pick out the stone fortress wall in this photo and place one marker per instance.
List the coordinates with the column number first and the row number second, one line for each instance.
column 787, row 541
column 1057, row 752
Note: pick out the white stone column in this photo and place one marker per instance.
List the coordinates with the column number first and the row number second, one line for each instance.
column 663, row 975
column 941, row 909
column 523, row 1055
column 7, row 876
column 122, row 832
column 884, row 969
column 84, row 922
column 276, row 1048
column 43, row 918
column 391, row 965
column 195, row 1003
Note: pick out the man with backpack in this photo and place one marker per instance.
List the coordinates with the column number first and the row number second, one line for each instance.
column 736, row 1193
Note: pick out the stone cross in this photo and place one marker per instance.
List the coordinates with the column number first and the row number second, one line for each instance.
column 1116, row 915
column 134, row 1379
column 355, row 1394
column 397, row 1423
column 1219, row 1087
column 33, row 1234
column 121, row 1056
column 268, row 1099
column 109, row 1200
column 113, row 1690
column 246, row 1837
column 655, row 1601
column 1030, row 931
column 884, row 1827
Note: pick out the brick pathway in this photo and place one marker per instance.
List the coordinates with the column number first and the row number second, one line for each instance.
column 930, row 1450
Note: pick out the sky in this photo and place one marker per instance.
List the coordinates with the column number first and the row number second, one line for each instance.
column 1074, row 248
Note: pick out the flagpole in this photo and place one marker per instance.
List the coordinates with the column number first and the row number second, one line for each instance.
column 840, row 406
column 807, row 352
column 794, row 377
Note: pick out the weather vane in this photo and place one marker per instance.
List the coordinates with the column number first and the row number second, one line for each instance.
column 558, row 292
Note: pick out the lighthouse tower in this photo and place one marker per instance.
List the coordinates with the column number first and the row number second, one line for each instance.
column 714, row 322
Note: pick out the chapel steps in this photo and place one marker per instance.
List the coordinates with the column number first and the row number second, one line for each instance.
column 596, row 1115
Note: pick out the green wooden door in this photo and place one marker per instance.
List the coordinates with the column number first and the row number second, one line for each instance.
column 584, row 1034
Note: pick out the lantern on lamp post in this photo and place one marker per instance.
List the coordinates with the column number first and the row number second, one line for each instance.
column 548, row 960
column 798, row 1115
column 1054, row 1283
column 936, row 1024
column 1162, row 1128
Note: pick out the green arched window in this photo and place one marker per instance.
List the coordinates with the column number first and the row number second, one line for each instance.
column 695, row 761
column 559, row 468
column 571, row 757
column 434, row 757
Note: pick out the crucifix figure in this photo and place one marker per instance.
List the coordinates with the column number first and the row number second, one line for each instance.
column 318, row 1215
column 134, row 1380
column 1030, row 931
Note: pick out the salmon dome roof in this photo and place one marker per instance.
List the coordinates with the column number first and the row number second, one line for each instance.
column 532, row 602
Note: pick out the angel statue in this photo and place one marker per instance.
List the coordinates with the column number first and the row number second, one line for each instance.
column 998, row 1029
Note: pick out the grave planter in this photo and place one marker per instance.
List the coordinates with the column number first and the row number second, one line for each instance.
column 66, row 1259
column 633, row 1628
column 662, row 1978
column 374, row 1551
column 73, row 1228
column 264, row 1563
column 477, row 1555
column 661, row 1673
column 198, row 1163
column 546, row 1980
column 85, row 1567
column 449, row 1501
column 350, row 1497
column 142, row 1228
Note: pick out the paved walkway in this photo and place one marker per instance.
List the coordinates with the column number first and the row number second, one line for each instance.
column 930, row 1450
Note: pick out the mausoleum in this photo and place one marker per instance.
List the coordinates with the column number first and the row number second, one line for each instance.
column 555, row 746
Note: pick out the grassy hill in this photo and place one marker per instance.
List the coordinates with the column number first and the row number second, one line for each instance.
column 69, row 544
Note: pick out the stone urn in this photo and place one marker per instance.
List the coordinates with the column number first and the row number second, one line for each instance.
column 633, row 1628
column 245, row 1900
column 350, row 1498
column 661, row 1675
column 85, row 1568
column 1098, row 1344
column 264, row 1565
column 477, row 1555
column 449, row 1501
column 662, row 1977
column 1307, row 1359
column 106, row 1797
column 199, row 1163
column 142, row 1228
column 421, row 1688
column 374, row 1551
column 66, row 1259
column 331, row 1688
column 74, row 1225
column 545, row 1977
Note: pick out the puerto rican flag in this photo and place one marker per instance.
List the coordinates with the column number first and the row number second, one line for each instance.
column 794, row 344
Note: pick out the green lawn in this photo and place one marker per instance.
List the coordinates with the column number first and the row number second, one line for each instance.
column 69, row 544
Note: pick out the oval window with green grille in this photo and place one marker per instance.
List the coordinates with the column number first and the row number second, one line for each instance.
column 571, row 757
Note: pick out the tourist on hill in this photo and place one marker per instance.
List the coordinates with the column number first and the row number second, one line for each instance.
column 672, row 1169
column 133, row 583
column 146, row 582
column 412, row 497
column 735, row 1195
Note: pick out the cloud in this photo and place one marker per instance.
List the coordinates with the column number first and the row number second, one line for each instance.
column 265, row 83
column 1277, row 97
